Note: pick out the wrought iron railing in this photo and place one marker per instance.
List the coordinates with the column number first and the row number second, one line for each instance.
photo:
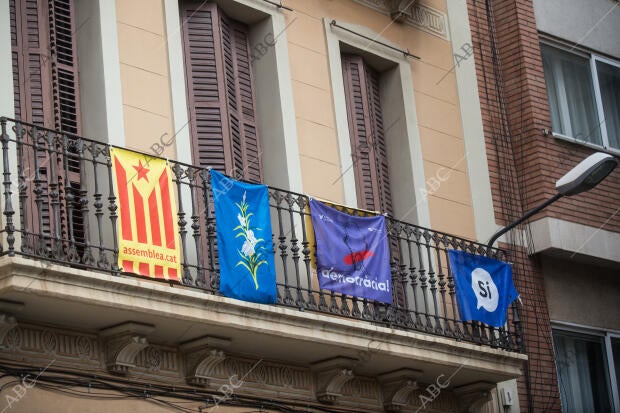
column 59, row 205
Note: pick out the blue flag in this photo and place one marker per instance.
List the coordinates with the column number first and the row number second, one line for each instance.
column 484, row 287
column 245, row 248
column 352, row 253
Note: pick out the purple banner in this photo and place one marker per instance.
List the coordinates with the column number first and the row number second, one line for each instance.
column 352, row 253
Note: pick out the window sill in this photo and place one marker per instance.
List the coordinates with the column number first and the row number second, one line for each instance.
column 611, row 151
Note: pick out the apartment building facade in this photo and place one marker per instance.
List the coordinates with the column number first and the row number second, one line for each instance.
column 548, row 82
column 370, row 105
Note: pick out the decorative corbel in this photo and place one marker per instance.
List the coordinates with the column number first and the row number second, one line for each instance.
column 397, row 386
column 331, row 376
column 202, row 356
column 7, row 318
column 474, row 395
column 400, row 10
column 122, row 344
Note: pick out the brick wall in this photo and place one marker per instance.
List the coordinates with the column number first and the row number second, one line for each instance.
column 524, row 165
column 539, row 379
column 539, row 160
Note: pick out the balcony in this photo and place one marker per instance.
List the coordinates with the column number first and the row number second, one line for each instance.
column 59, row 262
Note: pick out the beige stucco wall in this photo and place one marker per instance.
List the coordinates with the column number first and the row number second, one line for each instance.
column 148, row 115
column 437, row 106
column 582, row 294
column 145, row 80
column 316, row 124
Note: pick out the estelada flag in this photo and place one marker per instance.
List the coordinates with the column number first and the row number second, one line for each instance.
column 147, row 228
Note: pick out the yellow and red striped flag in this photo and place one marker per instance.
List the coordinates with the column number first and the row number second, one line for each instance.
column 147, row 228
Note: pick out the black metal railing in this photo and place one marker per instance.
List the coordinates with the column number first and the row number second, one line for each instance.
column 59, row 204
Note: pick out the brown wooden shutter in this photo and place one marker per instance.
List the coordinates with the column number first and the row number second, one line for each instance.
column 368, row 146
column 220, row 91
column 67, row 116
column 65, row 83
column 45, row 63
column 31, row 64
column 46, row 92
column 33, row 99
column 369, row 153
column 16, row 58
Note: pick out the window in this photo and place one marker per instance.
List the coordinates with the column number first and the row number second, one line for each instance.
column 368, row 143
column 376, row 124
column 45, row 63
column 585, row 366
column 584, row 96
column 615, row 346
column 46, row 93
column 220, row 91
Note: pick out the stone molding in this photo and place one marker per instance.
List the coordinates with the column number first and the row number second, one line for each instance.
column 472, row 396
column 7, row 323
column 125, row 350
column 412, row 13
column 7, row 318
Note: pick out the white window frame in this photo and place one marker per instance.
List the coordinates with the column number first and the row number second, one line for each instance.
column 607, row 336
column 613, row 379
column 599, row 100
column 592, row 58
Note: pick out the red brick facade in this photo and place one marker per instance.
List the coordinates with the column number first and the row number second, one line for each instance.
column 524, row 164
column 537, row 387
column 516, row 107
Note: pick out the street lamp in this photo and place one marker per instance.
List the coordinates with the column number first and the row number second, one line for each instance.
column 583, row 177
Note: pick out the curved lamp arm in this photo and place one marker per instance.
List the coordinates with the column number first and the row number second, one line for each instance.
column 582, row 177
column 527, row 215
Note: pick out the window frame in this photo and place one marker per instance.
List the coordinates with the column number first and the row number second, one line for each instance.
column 229, row 104
column 592, row 58
column 607, row 335
column 410, row 205
column 613, row 379
column 282, row 168
column 374, row 139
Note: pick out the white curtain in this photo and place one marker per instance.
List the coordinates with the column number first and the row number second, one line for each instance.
column 571, row 95
column 609, row 82
column 582, row 376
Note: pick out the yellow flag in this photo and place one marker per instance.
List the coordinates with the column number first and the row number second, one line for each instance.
column 148, row 241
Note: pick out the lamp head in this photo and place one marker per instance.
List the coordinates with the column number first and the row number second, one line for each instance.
column 587, row 174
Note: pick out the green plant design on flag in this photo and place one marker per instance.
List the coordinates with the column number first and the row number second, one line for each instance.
column 251, row 258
